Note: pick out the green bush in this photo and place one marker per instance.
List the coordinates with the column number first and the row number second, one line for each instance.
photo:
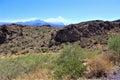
column 114, row 43
column 14, row 50
column 45, row 49
column 69, row 63
column 52, row 42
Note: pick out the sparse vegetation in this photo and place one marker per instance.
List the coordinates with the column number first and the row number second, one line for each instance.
column 32, row 38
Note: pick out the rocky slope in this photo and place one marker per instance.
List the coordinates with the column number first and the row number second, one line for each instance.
column 88, row 33
column 16, row 38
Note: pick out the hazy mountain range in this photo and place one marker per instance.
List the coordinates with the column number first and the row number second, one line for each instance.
column 36, row 23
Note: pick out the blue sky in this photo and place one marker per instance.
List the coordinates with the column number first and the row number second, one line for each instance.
column 67, row 11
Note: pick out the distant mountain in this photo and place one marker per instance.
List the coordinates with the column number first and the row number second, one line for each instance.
column 56, row 24
column 33, row 23
column 37, row 23
column 1, row 23
column 117, row 20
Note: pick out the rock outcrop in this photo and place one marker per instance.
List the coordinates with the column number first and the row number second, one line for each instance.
column 15, row 38
column 75, row 32
column 2, row 37
column 7, row 31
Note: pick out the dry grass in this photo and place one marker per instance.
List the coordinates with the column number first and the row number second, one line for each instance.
column 27, row 67
column 42, row 74
column 99, row 66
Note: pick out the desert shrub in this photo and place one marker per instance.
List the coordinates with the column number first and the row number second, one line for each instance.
column 111, row 56
column 114, row 43
column 24, row 51
column 45, row 49
column 52, row 42
column 99, row 66
column 14, row 50
column 69, row 63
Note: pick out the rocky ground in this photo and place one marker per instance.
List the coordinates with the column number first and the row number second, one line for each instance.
column 113, row 75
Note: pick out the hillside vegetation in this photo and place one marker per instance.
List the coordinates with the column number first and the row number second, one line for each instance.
column 72, row 62
column 25, row 39
column 87, row 50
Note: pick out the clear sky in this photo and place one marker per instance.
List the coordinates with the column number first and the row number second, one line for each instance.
column 68, row 11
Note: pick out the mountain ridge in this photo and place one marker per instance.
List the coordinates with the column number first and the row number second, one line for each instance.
column 36, row 22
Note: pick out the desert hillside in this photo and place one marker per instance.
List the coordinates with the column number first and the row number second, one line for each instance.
column 87, row 50
column 89, row 33
column 15, row 38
